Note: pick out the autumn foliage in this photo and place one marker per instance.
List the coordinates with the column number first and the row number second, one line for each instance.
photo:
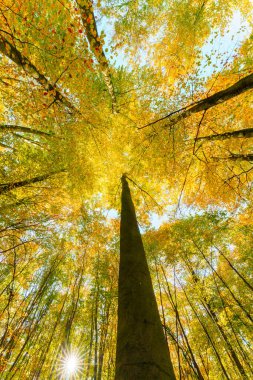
column 161, row 91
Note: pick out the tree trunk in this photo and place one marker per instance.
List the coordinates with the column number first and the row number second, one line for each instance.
column 238, row 302
column 248, row 157
column 89, row 23
column 241, row 157
column 5, row 187
column 214, row 317
column 219, row 97
column 241, row 133
column 20, row 128
column 184, row 335
column 210, row 339
column 246, row 282
column 16, row 56
column 142, row 352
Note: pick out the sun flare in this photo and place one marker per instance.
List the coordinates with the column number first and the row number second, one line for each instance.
column 70, row 364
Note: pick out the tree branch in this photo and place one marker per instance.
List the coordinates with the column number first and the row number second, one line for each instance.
column 5, row 187
column 89, row 23
column 242, row 133
column 16, row 56
column 236, row 89
column 19, row 128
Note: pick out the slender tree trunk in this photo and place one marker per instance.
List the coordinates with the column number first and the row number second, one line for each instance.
column 224, row 283
column 236, row 89
column 103, row 339
column 19, row 128
column 184, row 335
column 161, row 301
column 246, row 282
column 182, row 348
column 212, row 314
column 16, row 56
column 241, row 133
column 96, row 336
column 142, row 352
column 197, row 315
column 45, row 352
column 88, row 363
column 5, row 187
column 89, row 23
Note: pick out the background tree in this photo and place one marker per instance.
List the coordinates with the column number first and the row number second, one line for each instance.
column 63, row 67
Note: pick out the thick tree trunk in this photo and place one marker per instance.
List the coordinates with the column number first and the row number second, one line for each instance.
column 142, row 351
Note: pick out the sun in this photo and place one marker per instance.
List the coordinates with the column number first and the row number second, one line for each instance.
column 70, row 364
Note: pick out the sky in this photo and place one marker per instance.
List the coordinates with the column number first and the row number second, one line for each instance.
column 220, row 48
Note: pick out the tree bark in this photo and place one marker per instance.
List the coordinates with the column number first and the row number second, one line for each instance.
column 184, row 335
column 5, row 187
column 16, row 56
column 241, row 157
column 19, row 128
column 89, row 23
column 236, row 89
column 242, row 133
column 142, row 351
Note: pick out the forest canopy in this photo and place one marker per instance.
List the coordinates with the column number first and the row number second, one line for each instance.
column 156, row 91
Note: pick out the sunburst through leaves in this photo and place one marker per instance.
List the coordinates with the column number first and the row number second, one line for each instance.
column 70, row 364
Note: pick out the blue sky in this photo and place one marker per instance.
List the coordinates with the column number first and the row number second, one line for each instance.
column 218, row 50
column 220, row 46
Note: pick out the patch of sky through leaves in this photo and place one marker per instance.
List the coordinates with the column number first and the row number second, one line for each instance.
column 217, row 53
column 221, row 48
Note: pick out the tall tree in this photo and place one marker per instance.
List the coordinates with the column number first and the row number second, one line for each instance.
column 63, row 66
column 90, row 25
column 142, row 351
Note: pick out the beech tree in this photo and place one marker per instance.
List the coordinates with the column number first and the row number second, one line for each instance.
column 141, row 347
column 97, row 98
